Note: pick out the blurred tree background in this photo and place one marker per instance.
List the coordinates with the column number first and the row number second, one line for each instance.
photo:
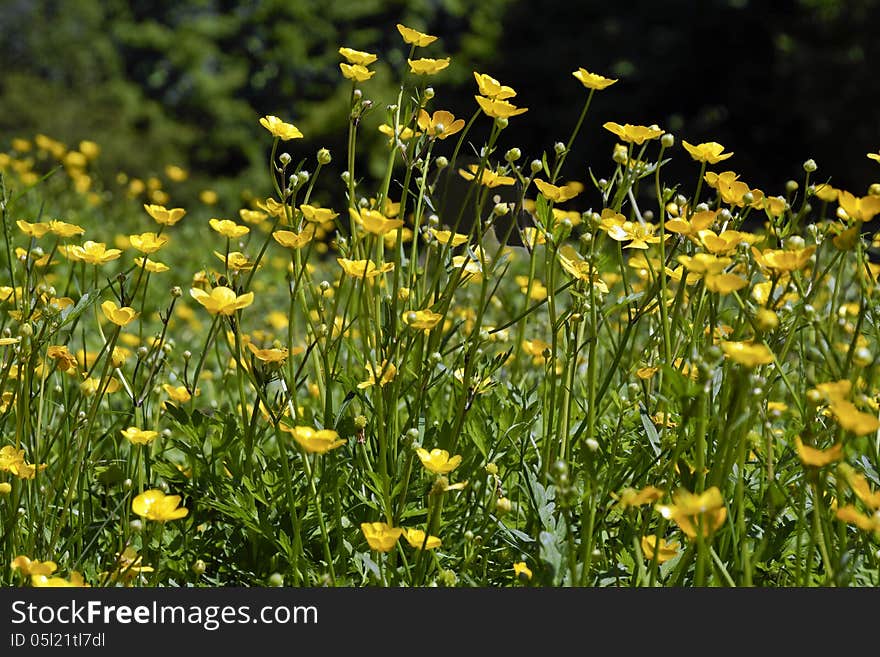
column 184, row 82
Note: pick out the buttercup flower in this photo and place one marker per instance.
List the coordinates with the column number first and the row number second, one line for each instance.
column 817, row 457
column 710, row 152
column 441, row 124
column 421, row 319
column 414, row 37
column 280, row 129
column 665, row 551
column 314, row 441
column 499, row 109
column 852, row 419
column 151, row 265
column 374, row 222
column 356, row 72
column 363, row 268
column 357, row 56
column 387, row 370
column 634, row 134
column 427, row 66
column 228, row 228
column 438, row 461
column 64, row 229
column 139, row 436
column 317, row 215
column 491, row 88
column 93, row 253
column 147, row 242
column 292, row 240
column 29, row 567
column 691, row 511
column 416, row 539
column 747, row 353
column 859, row 209
column 381, row 536
column 448, row 237
column 558, row 194
column 35, row 230
column 592, row 80
column 177, row 394
column 155, row 505
column 521, row 571
column 119, row 316
column 164, row 216
column 488, row 178
column 222, row 300
column 268, row 355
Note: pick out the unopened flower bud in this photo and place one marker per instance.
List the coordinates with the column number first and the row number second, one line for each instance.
column 199, row 567
column 284, row 158
column 791, row 186
column 441, row 162
column 503, row 506
column 667, row 140
column 429, row 93
column 592, row 444
column 810, row 165
column 535, row 166
column 501, row 123
column 500, row 209
column 513, row 155
column 559, row 148
column 324, row 156
column 360, row 421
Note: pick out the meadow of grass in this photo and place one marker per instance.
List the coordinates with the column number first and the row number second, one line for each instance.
column 674, row 387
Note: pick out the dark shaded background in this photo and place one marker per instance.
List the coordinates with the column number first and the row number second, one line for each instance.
column 184, row 82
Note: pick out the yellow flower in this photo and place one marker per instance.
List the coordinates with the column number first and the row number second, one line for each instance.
column 747, row 353
column 119, row 316
column 36, row 230
column 448, row 237
column 691, row 227
column 634, row 134
column 438, row 461
column 373, row 221
column 222, row 300
column 825, row 192
column 268, row 355
column 386, row 372
column 155, row 505
column 691, row 511
column 356, row 72
column 592, row 80
column 874, row 156
column 164, row 216
column 357, row 56
column 280, row 129
column 228, row 228
column 12, row 460
column 403, row 133
column 852, row 419
column 252, row 216
column 151, row 265
column 417, row 539
column 236, row 260
column 139, row 436
column 147, row 242
column 722, row 244
column 710, row 152
column 312, row 440
column 579, row 268
column 33, row 567
column 860, row 209
column 665, row 551
column 499, row 109
column 421, row 319
column 75, row 580
column 93, row 253
column 442, row 124
column 638, row 235
column 488, row 178
column 363, row 268
column 427, row 66
column 632, row 497
column 491, row 88
column 177, row 394
column 711, row 268
column 381, row 536
column 521, row 571
column 558, row 194
column 850, row 515
column 317, row 215
column 291, row 240
column 64, row 360
column 64, row 229
column 782, row 260
column 817, row 457
column 414, row 37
